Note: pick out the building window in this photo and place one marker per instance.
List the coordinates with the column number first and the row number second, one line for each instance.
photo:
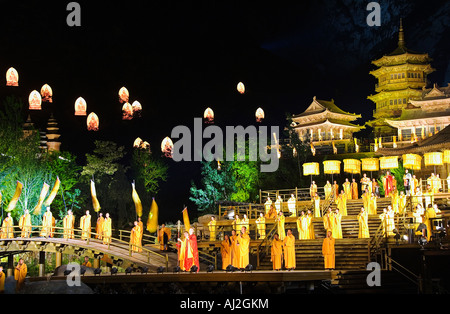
column 404, row 100
column 403, row 75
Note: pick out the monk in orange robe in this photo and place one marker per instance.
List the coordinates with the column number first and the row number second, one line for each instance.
column 2, row 280
column 276, row 252
column 164, row 235
column 85, row 226
column 99, row 226
column 107, row 229
column 20, row 272
column 354, row 188
column 335, row 190
column 272, row 213
column 289, row 250
column 135, row 237
column 7, row 227
column 191, row 254
column 234, row 249
column 181, row 245
column 25, row 224
column 243, row 240
column 328, row 251
column 225, row 250
column 68, row 225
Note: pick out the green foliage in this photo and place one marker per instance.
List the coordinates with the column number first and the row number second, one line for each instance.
column 398, row 174
column 149, row 170
column 104, row 161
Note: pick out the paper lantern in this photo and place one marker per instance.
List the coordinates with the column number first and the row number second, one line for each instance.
column 433, row 159
column 412, row 161
column 127, row 111
column 46, row 93
column 331, row 166
column 80, row 107
column 370, row 164
column 259, row 115
column 137, row 142
column 310, row 168
column 352, row 166
column 124, row 96
column 35, row 100
column 389, row 162
column 447, row 156
column 137, row 108
column 167, row 146
column 208, row 115
column 241, row 87
column 12, row 77
column 92, row 122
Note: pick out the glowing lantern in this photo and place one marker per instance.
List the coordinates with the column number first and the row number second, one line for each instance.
column 92, row 122
column 80, row 107
column 447, row 156
column 352, row 166
column 241, row 87
column 259, row 115
column 370, row 164
column 331, row 166
column 412, row 161
column 433, row 159
column 137, row 108
column 35, row 100
column 127, row 111
column 124, row 96
column 46, row 93
column 389, row 162
column 310, row 168
column 12, row 77
column 208, row 115
column 137, row 142
column 167, row 146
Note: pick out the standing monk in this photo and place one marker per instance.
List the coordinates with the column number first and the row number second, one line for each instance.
column 354, row 189
column 289, row 250
column 212, row 229
column 181, row 245
column 313, row 189
column 328, row 251
column 2, row 280
column 68, row 225
column 47, row 223
column 20, row 272
column 341, row 202
column 164, row 235
column 276, row 252
column 191, row 255
column 347, row 189
column 280, row 225
column 225, row 251
column 363, row 225
column 261, row 226
column 335, row 190
column 234, row 249
column 243, row 240
column 135, row 237
column 106, row 229
column 25, row 224
column 327, row 190
column 388, row 184
column 85, row 226
column 99, row 226
column 7, row 227
column 316, row 203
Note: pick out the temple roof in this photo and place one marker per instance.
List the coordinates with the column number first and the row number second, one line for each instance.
column 330, row 122
column 319, row 106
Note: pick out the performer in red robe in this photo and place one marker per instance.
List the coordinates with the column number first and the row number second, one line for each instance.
column 388, row 184
column 191, row 254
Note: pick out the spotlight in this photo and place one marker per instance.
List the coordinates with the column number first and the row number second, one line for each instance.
column 210, row 269
column 128, row 270
column 230, row 268
column 114, row 271
column 97, row 271
column 422, row 241
column 160, row 269
column 249, row 268
column 397, row 236
column 176, row 269
column 82, row 270
column 144, row 270
column 194, row 269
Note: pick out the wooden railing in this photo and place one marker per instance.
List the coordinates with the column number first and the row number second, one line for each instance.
column 263, row 248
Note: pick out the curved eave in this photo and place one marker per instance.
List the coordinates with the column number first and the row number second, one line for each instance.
column 328, row 123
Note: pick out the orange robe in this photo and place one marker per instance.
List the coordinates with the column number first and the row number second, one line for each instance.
column 106, row 230
column 347, row 189
column 20, row 272
column 46, row 224
column 328, row 252
column 276, row 254
column 99, row 227
column 85, row 226
column 2, row 282
column 135, row 239
column 225, row 250
column 234, row 251
column 161, row 233
column 7, row 228
column 289, row 251
column 354, row 186
column 244, row 245
column 310, row 227
column 181, row 253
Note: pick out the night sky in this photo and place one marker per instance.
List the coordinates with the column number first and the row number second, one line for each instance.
column 178, row 58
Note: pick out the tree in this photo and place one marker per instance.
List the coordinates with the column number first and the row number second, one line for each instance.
column 149, row 170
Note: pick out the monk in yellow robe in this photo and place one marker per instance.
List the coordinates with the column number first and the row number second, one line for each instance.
column 316, row 203
column 99, row 226
column 225, row 251
column 341, row 202
column 313, row 189
column 328, row 251
column 7, row 227
column 292, row 205
column 394, row 201
column 428, row 215
column 347, row 189
column 181, row 245
column 302, row 226
column 354, row 187
column 237, row 223
column 373, row 204
column 46, row 223
column 336, row 227
column 52, row 230
column 289, row 250
column 414, row 184
column 85, row 226
column 212, row 229
column 141, row 225
column 310, row 225
column 20, row 272
column 243, row 240
column 268, row 204
column 2, row 280
column 261, row 226
column 327, row 219
column 245, row 222
column 107, row 229
column 68, row 225
column 164, row 235
column 401, row 203
column 366, row 201
column 86, row 262
column 135, row 236
column 280, row 225
column 272, row 213
column 234, row 249
column 25, row 224
column 363, row 231
column 327, row 189
column 276, row 253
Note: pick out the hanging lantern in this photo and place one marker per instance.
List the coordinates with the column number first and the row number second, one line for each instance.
column 46, row 93
column 433, row 159
column 167, row 147
column 369, row 164
column 35, row 100
column 137, row 108
column 311, row 168
column 352, row 166
column 241, row 87
column 208, row 115
column 389, row 162
column 331, row 166
column 447, row 156
column 124, row 96
column 92, row 122
column 80, row 107
column 127, row 111
column 259, row 115
column 12, row 77
column 412, row 161
column 137, row 142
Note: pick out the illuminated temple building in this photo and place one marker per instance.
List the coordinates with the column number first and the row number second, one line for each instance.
column 326, row 126
column 401, row 75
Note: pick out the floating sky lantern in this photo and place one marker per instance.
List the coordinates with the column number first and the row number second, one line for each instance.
column 47, row 93
column 127, row 111
column 208, row 115
column 80, row 107
column 259, row 115
column 35, row 100
column 92, row 122
column 167, row 147
column 137, row 108
column 124, row 95
column 12, row 77
column 139, row 143
column 241, row 87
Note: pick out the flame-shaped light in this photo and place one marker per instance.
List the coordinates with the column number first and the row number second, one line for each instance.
column 241, row 88
column 46, row 93
column 127, row 111
column 80, row 107
column 167, row 147
column 137, row 108
column 92, row 122
column 12, row 77
column 124, row 95
column 259, row 115
column 208, row 115
column 35, row 100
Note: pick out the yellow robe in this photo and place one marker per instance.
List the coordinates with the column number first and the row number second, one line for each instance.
column 366, row 202
column 327, row 221
column 336, row 228
column 20, row 272
column 289, row 251
column 280, row 226
column 313, row 190
column 276, row 254
column 402, row 204
column 68, row 225
column 106, row 230
column 99, row 227
column 302, row 227
column 212, row 230
column 327, row 189
column 373, row 205
column 261, row 226
column 182, row 253
column 316, row 201
column 245, row 222
column 244, row 244
column 347, row 190
column 135, row 239
column 234, row 251
column 341, row 202
column 363, row 226
column 292, row 206
column 237, row 225
column 328, row 252
column 7, row 228
column 394, row 201
column 46, row 224
column 225, row 250
column 429, row 213
column 310, row 227
column 2, row 282
column 25, row 225
column 85, row 226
